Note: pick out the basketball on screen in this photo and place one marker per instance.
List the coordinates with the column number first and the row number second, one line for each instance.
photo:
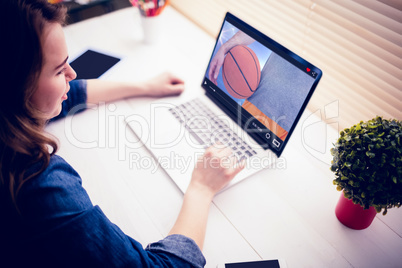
column 241, row 72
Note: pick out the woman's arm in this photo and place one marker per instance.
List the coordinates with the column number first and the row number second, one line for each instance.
column 214, row 170
column 165, row 84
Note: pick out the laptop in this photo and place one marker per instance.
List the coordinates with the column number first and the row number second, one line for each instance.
column 254, row 92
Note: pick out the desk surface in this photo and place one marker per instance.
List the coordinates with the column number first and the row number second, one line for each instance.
column 284, row 212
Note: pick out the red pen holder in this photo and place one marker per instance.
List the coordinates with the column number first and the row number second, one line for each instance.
column 352, row 215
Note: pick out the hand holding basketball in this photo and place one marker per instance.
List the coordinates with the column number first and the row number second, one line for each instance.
column 241, row 72
column 216, row 64
column 252, row 75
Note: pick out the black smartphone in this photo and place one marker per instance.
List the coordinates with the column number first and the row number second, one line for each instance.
column 92, row 64
column 255, row 264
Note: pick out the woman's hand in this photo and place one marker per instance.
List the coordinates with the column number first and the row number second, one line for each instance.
column 162, row 85
column 214, row 170
column 165, row 84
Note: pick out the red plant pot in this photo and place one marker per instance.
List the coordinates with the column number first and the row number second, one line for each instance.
column 352, row 215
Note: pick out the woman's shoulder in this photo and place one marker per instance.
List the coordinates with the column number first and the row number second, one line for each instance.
column 53, row 193
column 58, row 164
column 57, row 167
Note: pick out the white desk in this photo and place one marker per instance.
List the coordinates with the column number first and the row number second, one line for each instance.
column 285, row 212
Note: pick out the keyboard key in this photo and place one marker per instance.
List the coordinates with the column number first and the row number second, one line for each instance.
column 209, row 128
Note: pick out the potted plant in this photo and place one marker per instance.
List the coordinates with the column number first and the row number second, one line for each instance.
column 367, row 162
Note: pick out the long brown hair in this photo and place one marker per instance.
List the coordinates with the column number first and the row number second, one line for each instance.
column 23, row 141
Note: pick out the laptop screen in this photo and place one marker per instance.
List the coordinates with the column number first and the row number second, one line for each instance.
column 260, row 83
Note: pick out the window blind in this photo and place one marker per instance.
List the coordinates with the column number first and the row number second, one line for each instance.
column 357, row 44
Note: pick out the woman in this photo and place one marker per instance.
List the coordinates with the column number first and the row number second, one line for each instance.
column 47, row 218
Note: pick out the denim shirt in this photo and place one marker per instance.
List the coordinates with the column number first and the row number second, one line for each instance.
column 58, row 226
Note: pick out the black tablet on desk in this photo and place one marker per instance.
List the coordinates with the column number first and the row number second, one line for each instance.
column 92, row 64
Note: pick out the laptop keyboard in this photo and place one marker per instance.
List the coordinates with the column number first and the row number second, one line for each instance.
column 207, row 128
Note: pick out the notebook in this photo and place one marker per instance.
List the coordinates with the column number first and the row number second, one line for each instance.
column 254, row 92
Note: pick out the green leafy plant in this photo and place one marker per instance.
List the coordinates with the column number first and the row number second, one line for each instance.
column 367, row 161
